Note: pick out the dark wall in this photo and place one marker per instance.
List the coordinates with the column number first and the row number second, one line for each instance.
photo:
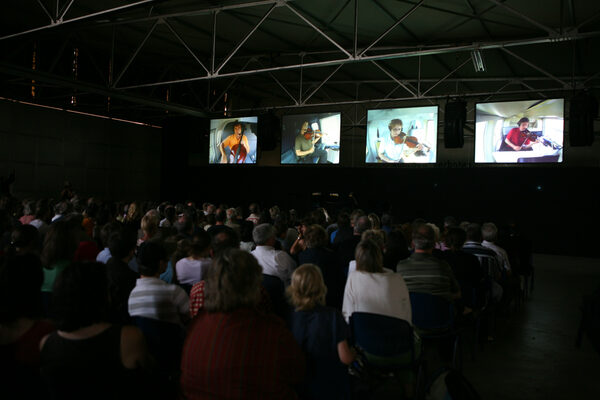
column 100, row 157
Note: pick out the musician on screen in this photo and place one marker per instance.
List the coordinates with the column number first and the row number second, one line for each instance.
column 520, row 138
column 237, row 144
column 395, row 148
column 306, row 146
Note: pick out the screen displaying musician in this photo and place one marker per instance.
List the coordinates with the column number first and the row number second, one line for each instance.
column 233, row 141
column 402, row 135
column 311, row 139
column 528, row 131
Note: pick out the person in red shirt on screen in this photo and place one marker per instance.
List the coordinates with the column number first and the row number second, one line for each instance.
column 236, row 139
column 517, row 139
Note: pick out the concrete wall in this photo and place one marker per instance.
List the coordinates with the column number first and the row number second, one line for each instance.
column 100, row 157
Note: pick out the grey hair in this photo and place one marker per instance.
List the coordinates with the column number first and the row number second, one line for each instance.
column 489, row 231
column 423, row 237
column 262, row 233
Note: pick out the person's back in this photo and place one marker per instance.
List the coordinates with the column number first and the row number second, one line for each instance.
column 84, row 368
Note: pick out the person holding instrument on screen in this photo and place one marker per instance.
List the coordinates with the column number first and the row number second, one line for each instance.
column 305, row 146
column 238, row 146
column 398, row 146
column 520, row 138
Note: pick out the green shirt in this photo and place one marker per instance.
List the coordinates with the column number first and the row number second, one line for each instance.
column 51, row 274
column 302, row 144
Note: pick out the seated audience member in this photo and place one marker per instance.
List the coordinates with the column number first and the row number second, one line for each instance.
column 191, row 269
column 28, row 214
column 89, row 358
column 61, row 209
column 246, row 241
column 169, row 219
column 219, row 225
column 489, row 234
column 487, row 259
column 375, row 235
column 375, row 221
column 318, row 254
column 323, row 335
column 386, row 223
column 396, row 249
column 21, row 328
column 121, row 279
column 373, row 289
column 254, row 216
column 465, row 267
column 299, row 244
column 285, row 235
column 42, row 216
column 346, row 249
column 152, row 297
column 233, row 351
column 105, row 232
column 149, row 227
column 232, row 220
column 273, row 262
column 25, row 239
column 343, row 232
column 425, row 273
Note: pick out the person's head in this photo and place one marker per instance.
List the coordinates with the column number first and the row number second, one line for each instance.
column 224, row 240
column 274, row 212
column 264, row 235
column 237, row 130
column 315, row 236
column 455, row 238
column 133, row 212
column 149, row 225
column 170, row 213
column 369, row 257
column 121, row 244
column 107, row 230
column 375, row 221
column 151, row 258
column 450, row 222
column 307, row 289
column 523, row 124
column 304, row 128
column 221, row 216
column 25, row 239
column 80, row 296
column 21, row 277
column 343, row 220
column 474, row 233
column 423, row 237
column 254, row 208
column 232, row 282
column 60, row 243
column 375, row 235
column 395, row 127
column 362, row 224
column 387, row 220
column 489, row 232
column 231, row 214
column 62, row 207
column 28, row 206
column 200, row 245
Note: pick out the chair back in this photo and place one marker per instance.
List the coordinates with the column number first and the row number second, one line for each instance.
column 430, row 312
column 381, row 335
column 164, row 339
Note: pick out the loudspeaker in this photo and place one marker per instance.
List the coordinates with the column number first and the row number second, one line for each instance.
column 269, row 130
column 583, row 110
column 454, row 120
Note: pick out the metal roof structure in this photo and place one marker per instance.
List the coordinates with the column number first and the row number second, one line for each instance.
column 142, row 59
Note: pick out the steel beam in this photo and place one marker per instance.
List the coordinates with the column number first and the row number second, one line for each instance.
column 391, row 28
column 525, row 17
column 354, row 53
column 385, row 71
column 246, row 37
column 316, row 28
column 283, row 87
column 445, row 77
column 81, row 18
column 53, row 79
column 212, row 107
column 540, row 69
column 46, row 11
column 185, row 45
column 135, row 53
column 64, row 10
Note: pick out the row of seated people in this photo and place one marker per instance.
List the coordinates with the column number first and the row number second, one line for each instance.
column 234, row 346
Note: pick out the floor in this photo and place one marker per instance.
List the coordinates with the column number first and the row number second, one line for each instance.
column 534, row 354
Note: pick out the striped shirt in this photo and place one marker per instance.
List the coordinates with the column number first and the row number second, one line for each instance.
column 425, row 273
column 156, row 299
column 243, row 354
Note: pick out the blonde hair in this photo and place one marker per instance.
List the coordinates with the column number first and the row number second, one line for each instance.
column 376, row 235
column 149, row 225
column 369, row 257
column 308, row 289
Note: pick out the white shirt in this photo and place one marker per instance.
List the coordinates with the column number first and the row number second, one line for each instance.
column 104, row 256
column 275, row 262
column 190, row 271
column 383, row 293
column 153, row 298
column 500, row 252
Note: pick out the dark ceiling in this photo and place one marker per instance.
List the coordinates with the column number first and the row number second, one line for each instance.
column 143, row 59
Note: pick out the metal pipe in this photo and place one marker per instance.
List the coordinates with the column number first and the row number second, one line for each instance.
column 447, row 75
column 316, row 28
column 214, row 40
column 532, row 65
column 385, row 71
column 355, row 27
column 525, row 17
column 283, row 87
column 391, row 28
column 83, row 17
column 246, row 37
column 65, row 10
column 46, row 11
column 322, row 83
column 136, row 53
column 185, row 45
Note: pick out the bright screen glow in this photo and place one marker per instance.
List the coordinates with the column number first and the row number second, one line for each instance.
column 225, row 137
column 529, row 131
column 311, row 139
column 402, row 135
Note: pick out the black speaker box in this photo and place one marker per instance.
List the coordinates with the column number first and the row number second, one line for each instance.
column 269, row 130
column 583, row 110
column 455, row 116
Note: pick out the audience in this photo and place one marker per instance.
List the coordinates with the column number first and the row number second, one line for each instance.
column 273, row 262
